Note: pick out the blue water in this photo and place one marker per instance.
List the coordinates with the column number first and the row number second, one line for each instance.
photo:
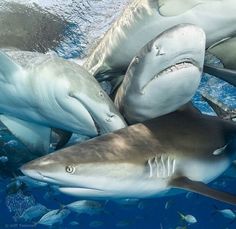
column 141, row 214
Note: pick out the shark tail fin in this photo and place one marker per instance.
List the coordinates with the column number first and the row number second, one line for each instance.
column 222, row 110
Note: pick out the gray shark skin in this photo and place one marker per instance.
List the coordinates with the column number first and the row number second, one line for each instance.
column 184, row 149
column 143, row 20
column 29, row 28
column 40, row 92
column 164, row 75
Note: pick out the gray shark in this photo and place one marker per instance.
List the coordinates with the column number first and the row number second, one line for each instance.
column 39, row 92
column 183, row 150
column 143, row 20
column 163, row 75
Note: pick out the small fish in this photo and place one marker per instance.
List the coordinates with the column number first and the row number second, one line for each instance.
column 33, row 213
column 3, row 159
column 227, row 213
column 11, row 143
column 96, row 224
column 190, row 219
column 54, row 217
column 86, row 206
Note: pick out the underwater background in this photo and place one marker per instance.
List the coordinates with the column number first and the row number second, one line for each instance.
column 19, row 199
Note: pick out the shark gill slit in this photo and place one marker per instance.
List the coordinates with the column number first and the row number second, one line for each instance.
column 164, row 166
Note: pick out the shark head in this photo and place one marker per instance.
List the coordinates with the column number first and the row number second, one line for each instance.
column 164, row 75
column 75, row 97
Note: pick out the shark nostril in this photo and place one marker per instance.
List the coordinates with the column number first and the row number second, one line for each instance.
column 101, row 94
column 159, row 51
column 109, row 118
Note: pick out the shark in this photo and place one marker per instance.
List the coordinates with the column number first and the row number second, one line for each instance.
column 43, row 91
column 164, row 74
column 183, row 150
column 143, row 20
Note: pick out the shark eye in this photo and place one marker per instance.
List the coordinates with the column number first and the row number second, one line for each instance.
column 70, row 169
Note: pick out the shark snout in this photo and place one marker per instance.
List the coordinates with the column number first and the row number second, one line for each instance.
column 31, row 172
column 38, row 169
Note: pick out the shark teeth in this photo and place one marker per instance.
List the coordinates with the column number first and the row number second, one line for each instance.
column 175, row 67
column 181, row 65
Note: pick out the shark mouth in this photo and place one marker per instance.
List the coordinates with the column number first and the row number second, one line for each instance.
column 188, row 63
column 183, row 64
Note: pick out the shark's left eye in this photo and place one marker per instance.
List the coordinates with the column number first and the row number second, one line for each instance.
column 70, row 169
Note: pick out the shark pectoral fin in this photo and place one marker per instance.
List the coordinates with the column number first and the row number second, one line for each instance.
column 168, row 8
column 225, row 74
column 34, row 136
column 201, row 188
column 220, row 109
column 8, row 68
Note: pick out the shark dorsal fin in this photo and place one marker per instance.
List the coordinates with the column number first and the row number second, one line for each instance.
column 8, row 68
column 201, row 188
column 168, row 8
